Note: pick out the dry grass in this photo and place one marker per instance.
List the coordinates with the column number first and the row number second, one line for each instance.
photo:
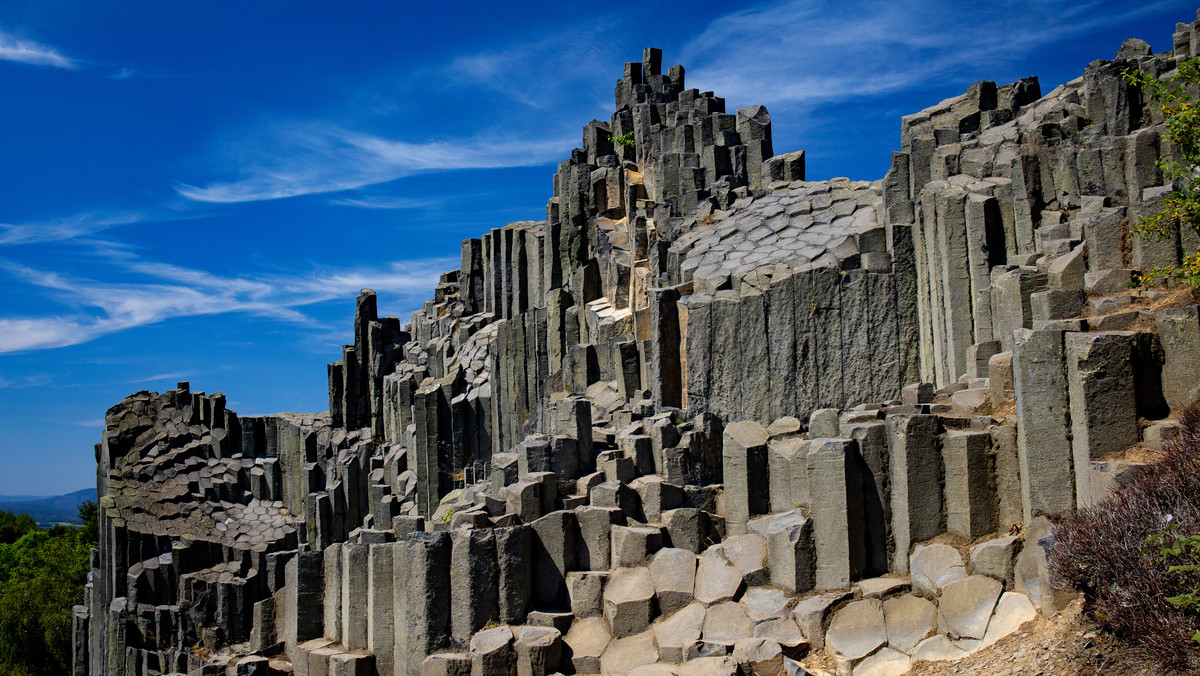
column 1100, row 553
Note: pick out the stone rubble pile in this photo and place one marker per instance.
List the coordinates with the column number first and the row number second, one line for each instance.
column 706, row 418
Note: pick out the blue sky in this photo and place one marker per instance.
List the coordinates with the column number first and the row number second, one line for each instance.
column 197, row 190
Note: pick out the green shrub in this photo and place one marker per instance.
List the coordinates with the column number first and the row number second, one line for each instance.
column 1109, row 553
column 1176, row 99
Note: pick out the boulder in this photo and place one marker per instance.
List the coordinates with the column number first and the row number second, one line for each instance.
column 629, row 601
column 1013, row 611
column 967, row 604
column 811, row 614
column 679, row 634
column 539, row 650
column 786, row 633
column 492, row 653
column 910, row 619
column 858, row 629
column 994, row 558
column 727, row 622
column 749, row 553
column 673, row 572
column 632, row 545
column 764, row 603
column 710, row 666
column 886, row 662
column 625, row 654
column 586, row 643
column 586, row 589
column 934, row 566
column 937, row 648
column 760, row 656
column 717, row 579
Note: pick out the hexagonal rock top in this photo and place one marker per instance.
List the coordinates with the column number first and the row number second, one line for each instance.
column 749, row 553
column 886, row 662
column 678, row 634
column 858, row 629
column 910, row 619
column 717, row 579
column 726, row 623
column 935, row 566
column 625, row 654
column 673, row 572
column 629, row 601
column 793, row 226
column 966, row 606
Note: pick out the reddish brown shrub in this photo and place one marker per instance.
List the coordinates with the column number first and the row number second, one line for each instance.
column 1100, row 552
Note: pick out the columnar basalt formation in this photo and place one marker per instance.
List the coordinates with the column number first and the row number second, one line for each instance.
column 706, row 413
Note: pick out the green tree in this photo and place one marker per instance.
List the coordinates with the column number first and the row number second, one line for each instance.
column 41, row 577
column 1176, row 98
column 13, row 526
column 89, row 517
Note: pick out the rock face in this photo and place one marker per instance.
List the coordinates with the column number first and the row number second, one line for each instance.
column 686, row 418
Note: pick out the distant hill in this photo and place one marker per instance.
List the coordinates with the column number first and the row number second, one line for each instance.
column 51, row 510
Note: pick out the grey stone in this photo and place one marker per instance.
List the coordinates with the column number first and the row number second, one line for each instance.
column 746, row 474
column 994, row 558
column 1057, row 303
column 587, row 592
column 823, row 423
column 539, row 650
column 626, row 654
column 969, row 490
column 966, row 606
column 447, row 664
column 629, row 601
column 786, row 633
column 1043, row 437
column 938, row 648
column 811, row 615
column 749, row 553
column 1012, row 611
column 492, row 653
column 678, row 635
column 586, row 643
column 790, row 552
column 916, row 481
column 885, row 662
column 727, row 622
column 934, row 566
column 910, row 619
column 760, row 655
column 717, row 579
column 673, row 572
column 858, row 629
column 631, row 545
column 764, row 603
column 1179, row 332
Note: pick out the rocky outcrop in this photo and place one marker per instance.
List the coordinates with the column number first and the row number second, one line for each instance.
column 705, row 414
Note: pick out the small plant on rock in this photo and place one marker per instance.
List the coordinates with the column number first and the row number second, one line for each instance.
column 1114, row 553
column 625, row 139
column 1181, row 554
column 1177, row 100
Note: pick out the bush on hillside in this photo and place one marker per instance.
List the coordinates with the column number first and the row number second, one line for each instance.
column 41, row 577
column 1105, row 553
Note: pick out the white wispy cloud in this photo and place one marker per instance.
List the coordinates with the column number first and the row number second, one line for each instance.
column 822, row 51
column 381, row 202
column 518, row 71
column 96, row 308
column 157, row 377
column 70, row 227
column 32, row 53
column 312, row 158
